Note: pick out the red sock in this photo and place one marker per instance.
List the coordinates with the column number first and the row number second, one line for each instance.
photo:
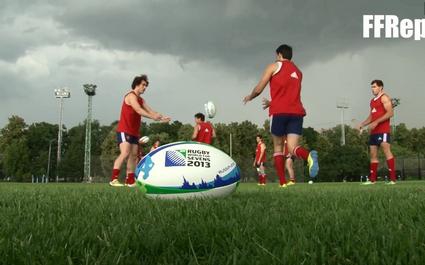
column 264, row 179
column 279, row 162
column 373, row 171
column 260, row 179
column 391, row 168
column 130, row 178
column 301, row 152
column 115, row 173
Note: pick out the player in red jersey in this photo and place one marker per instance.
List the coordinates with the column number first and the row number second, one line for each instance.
column 203, row 131
column 378, row 121
column 286, row 111
column 260, row 160
column 132, row 110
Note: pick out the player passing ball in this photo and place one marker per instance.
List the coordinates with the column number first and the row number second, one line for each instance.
column 286, row 111
column 128, row 130
column 203, row 131
column 378, row 123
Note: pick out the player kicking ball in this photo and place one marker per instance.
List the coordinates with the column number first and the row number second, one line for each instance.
column 378, row 122
column 286, row 111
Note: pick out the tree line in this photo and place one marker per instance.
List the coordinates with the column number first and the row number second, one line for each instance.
column 24, row 149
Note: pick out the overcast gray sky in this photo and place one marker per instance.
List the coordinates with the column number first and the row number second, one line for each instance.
column 195, row 51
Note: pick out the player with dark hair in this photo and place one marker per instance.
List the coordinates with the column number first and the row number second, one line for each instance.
column 378, row 122
column 260, row 160
column 286, row 111
column 203, row 131
column 128, row 130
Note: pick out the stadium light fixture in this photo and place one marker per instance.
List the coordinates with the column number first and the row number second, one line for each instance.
column 60, row 93
column 342, row 104
column 90, row 90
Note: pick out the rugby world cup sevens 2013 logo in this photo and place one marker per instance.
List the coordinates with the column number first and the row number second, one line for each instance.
column 188, row 157
column 175, row 158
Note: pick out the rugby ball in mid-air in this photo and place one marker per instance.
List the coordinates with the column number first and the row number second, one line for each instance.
column 143, row 140
column 210, row 109
column 187, row 170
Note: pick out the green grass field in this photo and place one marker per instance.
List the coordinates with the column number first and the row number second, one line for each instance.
column 342, row 223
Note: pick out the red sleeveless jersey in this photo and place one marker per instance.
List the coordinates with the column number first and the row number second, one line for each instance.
column 258, row 153
column 285, row 91
column 204, row 133
column 377, row 110
column 130, row 120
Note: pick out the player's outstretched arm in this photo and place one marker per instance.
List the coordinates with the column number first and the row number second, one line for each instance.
column 134, row 103
column 258, row 89
column 152, row 112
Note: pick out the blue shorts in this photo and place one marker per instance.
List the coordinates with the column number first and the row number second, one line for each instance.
column 124, row 137
column 377, row 139
column 282, row 124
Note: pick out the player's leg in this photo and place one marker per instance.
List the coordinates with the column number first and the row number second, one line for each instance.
column 124, row 153
column 263, row 173
column 260, row 179
column 373, row 149
column 279, row 159
column 278, row 130
column 294, row 130
column 131, row 166
column 290, row 168
column 386, row 147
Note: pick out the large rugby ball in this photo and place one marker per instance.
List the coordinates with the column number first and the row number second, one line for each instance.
column 187, row 170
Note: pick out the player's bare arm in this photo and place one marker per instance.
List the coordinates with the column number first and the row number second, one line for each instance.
column 213, row 132
column 386, row 101
column 259, row 88
column 364, row 123
column 195, row 132
column 131, row 99
column 266, row 103
column 148, row 109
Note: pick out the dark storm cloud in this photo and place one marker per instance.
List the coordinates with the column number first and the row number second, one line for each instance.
column 237, row 33
column 11, row 86
column 25, row 25
column 214, row 46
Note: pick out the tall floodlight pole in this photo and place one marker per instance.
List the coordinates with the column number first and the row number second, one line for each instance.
column 48, row 160
column 60, row 93
column 342, row 104
column 90, row 90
